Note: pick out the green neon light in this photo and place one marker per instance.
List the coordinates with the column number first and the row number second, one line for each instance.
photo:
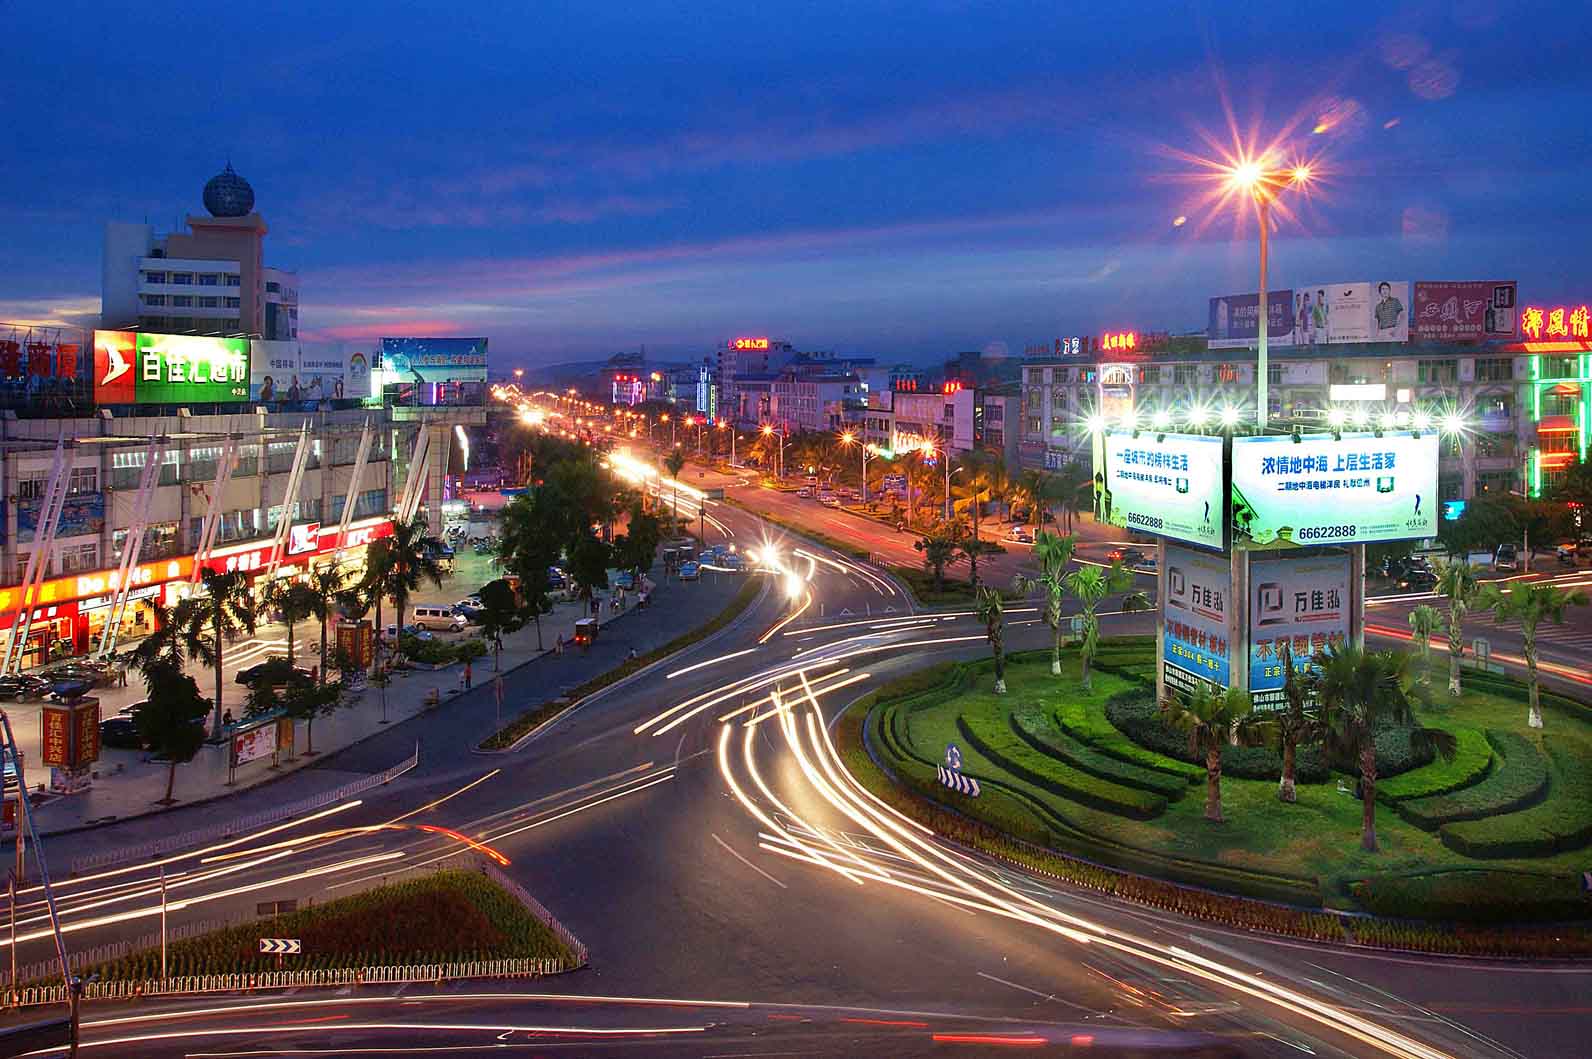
column 1536, row 473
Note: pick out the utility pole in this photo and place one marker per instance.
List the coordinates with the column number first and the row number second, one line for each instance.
column 163, row 974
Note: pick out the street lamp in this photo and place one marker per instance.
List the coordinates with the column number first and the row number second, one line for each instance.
column 769, row 431
column 869, row 451
column 930, row 450
column 723, row 424
column 1263, row 182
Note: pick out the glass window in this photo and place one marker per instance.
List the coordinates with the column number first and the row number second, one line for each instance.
column 233, row 279
column 276, row 288
column 1061, row 374
column 32, row 484
column 153, row 299
column 182, row 277
column 1494, row 481
column 1559, row 441
column 231, row 303
column 209, row 303
column 78, row 557
column 1438, row 371
column 1558, row 367
column 84, row 480
column 154, row 277
column 182, row 301
column 208, row 279
column 1495, row 369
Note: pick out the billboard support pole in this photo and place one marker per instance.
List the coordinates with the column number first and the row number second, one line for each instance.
column 39, row 557
column 1262, row 374
column 132, row 544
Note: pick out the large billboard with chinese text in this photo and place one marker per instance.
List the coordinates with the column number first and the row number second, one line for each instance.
column 1194, row 638
column 1166, row 484
column 1234, row 321
column 308, row 371
column 433, row 359
column 138, row 367
column 1366, row 311
column 1298, row 603
column 1465, row 311
column 1293, row 492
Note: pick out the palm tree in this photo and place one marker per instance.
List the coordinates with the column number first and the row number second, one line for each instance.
column 1213, row 718
column 1089, row 585
column 1362, row 692
column 992, row 612
column 675, row 462
column 1031, row 488
column 1456, row 580
column 1068, row 487
column 1424, row 621
column 292, row 601
column 938, row 548
column 326, row 586
column 166, row 644
column 1053, row 553
column 405, row 559
column 1292, row 725
column 224, row 609
column 1531, row 605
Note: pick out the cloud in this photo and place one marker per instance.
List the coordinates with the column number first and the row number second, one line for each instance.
column 60, row 311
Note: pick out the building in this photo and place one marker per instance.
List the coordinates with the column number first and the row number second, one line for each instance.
column 815, row 400
column 211, row 279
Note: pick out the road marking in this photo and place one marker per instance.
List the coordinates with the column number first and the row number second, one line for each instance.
column 1037, row 993
column 749, row 864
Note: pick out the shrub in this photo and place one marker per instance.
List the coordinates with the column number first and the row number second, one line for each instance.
column 1395, row 754
column 1480, row 895
column 1563, row 822
column 428, row 652
column 996, row 741
column 1136, row 715
column 469, row 650
column 1090, row 726
column 1041, row 733
column 1472, row 761
column 1519, row 781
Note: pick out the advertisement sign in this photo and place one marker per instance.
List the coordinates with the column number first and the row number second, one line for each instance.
column 1316, row 489
column 1194, row 641
column 173, row 369
column 1234, row 321
column 114, row 355
column 86, row 719
column 56, row 735
column 1295, row 602
column 1167, row 484
column 254, row 744
column 303, row 539
column 1468, row 311
column 357, row 641
column 1333, row 313
column 81, row 514
column 307, row 371
column 433, row 359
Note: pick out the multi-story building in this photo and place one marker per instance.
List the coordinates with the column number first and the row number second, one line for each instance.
column 211, row 279
column 809, row 400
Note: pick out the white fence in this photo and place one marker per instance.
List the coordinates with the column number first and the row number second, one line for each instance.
column 263, row 818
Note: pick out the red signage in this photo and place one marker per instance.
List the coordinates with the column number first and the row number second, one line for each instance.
column 1558, row 321
column 87, row 724
column 1119, row 341
column 257, row 556
column 1469, row 311
column 57, row 736
column 115, row 354
column 750, row 343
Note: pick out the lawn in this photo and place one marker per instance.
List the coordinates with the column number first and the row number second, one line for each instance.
column 1086, row 789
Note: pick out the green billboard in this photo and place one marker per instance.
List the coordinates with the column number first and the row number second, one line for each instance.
column 179, row 369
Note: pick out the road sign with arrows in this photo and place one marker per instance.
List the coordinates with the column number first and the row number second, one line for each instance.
column 280, row 946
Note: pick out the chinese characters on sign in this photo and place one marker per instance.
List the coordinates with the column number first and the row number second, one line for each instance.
column 751, row 343
column 1170, row 485
column 1299, row 605
column 1194, row 638
column 1119, row 341
column 1560, row 321
column 57, row 735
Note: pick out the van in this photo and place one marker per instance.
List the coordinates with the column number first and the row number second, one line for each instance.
column 1506, row 559
column 431, row 616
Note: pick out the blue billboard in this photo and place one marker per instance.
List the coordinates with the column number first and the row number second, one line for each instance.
column 1195, row 643
column 432, row 360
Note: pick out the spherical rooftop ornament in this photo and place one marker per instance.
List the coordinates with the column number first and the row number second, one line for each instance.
column 228, row 195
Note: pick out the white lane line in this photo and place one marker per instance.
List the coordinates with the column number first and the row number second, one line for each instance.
column 1037, row 993
column 749, row 864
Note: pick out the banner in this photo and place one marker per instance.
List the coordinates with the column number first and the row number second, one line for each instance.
column 81, row 515
column 1167, row 484
column 1334, row 313
column 1291, row 492
column 307, row 371
column 1194, row 639
column 433, row 359
column 1468, row 311
column 1297, row 602
column 138, row 367
column 1234, row 321
column 254, row 744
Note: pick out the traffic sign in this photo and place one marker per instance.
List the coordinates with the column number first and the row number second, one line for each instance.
column 958, row 782
column 953, row 756
column 280, row 946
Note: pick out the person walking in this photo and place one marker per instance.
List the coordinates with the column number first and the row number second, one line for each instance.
column 558, row 648
column 467, row 676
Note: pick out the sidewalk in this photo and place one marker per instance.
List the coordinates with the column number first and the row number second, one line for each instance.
column 127, row 784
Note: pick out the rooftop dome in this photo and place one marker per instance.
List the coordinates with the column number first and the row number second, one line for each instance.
column 228, row 195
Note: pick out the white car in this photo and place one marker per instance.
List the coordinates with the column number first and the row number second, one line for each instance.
column 1020, row 534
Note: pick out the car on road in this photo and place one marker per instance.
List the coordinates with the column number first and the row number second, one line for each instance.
column 121, row 732
column 273, row 671
column 1020, row 534
column 23, row 686
column 829, row 500
column 1416, row 575
column 1126, row 556
column 556, row 578
column 1506, row 558
column 805, row 492
column 690, row 571
column 732, row 563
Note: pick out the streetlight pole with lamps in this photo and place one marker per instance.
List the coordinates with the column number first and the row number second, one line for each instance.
column 868, row 450
column 769, row 431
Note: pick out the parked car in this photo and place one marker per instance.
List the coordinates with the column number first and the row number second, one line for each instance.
column 436, row 616
column 120, row 731
column 556, row 578
column 390, row 634
column 732, row 563
column 1020, row 534
column 1416, row 574
column 625, row 579
column 1507, row 558
column 805, row 492
column 829, row 500
column 690, row 571
column 1126, row 556
column 23, row 686
column 272, row 671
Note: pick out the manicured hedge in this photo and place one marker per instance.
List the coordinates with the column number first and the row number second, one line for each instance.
column 1091, row 727
column 1481, row 895
column 1138, row 717
column 1519, row 781
column 1563, row 822
column 996, row 741
column 1472, row 760
column 1040, row 732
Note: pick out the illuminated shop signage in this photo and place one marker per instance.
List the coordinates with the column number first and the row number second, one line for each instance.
column 1119, row 341
column 1538, row 322
column 750, row 343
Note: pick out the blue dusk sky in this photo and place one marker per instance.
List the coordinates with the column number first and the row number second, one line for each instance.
column 901, row 179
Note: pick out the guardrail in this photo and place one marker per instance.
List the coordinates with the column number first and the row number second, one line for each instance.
column 263, row 818
column 537, row 909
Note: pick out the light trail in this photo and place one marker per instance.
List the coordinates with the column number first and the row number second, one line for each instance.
column 709, row 662
column 1572, row 673
column 807, row 601
column 343, row 1027
column 752, row 722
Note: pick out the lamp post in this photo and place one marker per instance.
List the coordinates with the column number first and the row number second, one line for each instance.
column 945, row 459
column 869, row 451
column 1263, row 182
column 769, row 431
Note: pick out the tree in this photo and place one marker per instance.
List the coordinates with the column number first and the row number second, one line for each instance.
column 1089, row 585
column 1068, row 488
column 1486, row 523
column 292, row 601
column 396, row 565
column 1362, row 692
column 500, row 613
column 223, row 609
column 528, row 547
column 1530, row 604
column 1293, row 726
column 938, row 548
column 1456, row 581
column 588, row 565
column 171, row 722
column 1424, row 622
column 1031, row 488
column 636, row 548
column 328, row 586
column 1574, row 485
column 992, row 612
column 675, row 463
column 1212, row 718
column 166, row 644
column 969, row 547
column 304, row 701
column 1053, row 553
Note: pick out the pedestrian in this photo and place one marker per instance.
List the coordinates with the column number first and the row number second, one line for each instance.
column 467, row 676
column 632, row 656
column 226, row 719
column 559, row 647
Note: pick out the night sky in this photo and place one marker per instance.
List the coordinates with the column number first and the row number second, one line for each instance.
column 904, row 179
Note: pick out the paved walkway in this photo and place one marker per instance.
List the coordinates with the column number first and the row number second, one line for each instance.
column 128, row 784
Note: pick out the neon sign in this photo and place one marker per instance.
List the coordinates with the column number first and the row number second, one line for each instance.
column 950, row 388
column 750, row 343
column 1559, row 321
column 1119, row 341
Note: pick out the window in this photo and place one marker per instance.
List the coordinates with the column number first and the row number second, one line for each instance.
column 371, row 502
column 1560, row 404
column 154, row 277
column 230, row 325
column 1559, row 441
column 182, row 277
column 181, row 301
column 127, row 466
column 1441, row 372
column 1036, row 376
column 22, row 565
column 1489, row 444
column 208, row 279
column 233, row 280
column 1494, row 481
column 1226, row 373
column 1274, row 374
column 1451, row 486
column 1185, row 375
column 209, row 303
column 1495, row 369
column 1035, row 424
column 78, row 557
column 160, row 541
column 1058, row 397
column 273, row 288
column 1558, row 367
column 32, row 485
column 1058, row 425
column 1062, row 374
column 231, row 303
column 1151, row 375
column 153, row 299
column 83, row 480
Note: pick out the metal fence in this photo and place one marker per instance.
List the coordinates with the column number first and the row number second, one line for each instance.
column 263, row 818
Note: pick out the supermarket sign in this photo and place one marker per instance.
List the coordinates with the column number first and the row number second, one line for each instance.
column 140, row 367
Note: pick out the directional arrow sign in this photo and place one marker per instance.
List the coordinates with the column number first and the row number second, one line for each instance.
column 280, row 946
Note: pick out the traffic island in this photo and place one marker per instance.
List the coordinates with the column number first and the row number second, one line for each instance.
column 1091, row 786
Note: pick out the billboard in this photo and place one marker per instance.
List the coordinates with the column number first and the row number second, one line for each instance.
column 1194, row 639
column 81, row 514
column 1300, row 603
column 1334, row 313
column 1167, row 484
column 1467, row 311
column 1234, row 321
column 405, row 360
column 137, row 367
column 307, row 371
column 1292, row 492
column 253, row 744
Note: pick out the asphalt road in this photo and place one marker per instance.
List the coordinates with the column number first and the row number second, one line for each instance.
column 737, row 891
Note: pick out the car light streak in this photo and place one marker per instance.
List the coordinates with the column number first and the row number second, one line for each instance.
column 653, row 781
column 708, row 699
column 807, row 601
column 757, row 779
column 406, row 1027
column 749, row 707
column 832, row 687
column 1578, row 675
column 709, row 662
